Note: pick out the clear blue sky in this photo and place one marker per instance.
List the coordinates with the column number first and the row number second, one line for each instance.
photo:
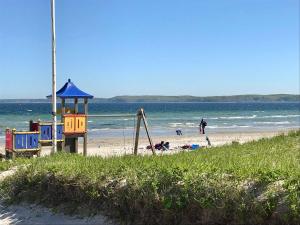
column 162, row 47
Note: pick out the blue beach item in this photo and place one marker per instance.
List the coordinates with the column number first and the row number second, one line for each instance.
column 195, row 146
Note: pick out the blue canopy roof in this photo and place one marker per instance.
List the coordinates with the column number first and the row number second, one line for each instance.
column 69, row 90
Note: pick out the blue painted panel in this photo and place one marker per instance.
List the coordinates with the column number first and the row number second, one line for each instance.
column 59, row 132
column 32, row 141
column 46, row 132
column 20, row 141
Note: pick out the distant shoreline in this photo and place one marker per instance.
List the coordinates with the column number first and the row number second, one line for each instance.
column 276, row 98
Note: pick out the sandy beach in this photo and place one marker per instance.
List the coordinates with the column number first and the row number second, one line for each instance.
column 108, row 147
column 116, row 146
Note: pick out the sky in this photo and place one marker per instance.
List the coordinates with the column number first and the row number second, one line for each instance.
column 151, row 47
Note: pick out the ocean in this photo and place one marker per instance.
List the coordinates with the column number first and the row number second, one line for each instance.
column 165, row 118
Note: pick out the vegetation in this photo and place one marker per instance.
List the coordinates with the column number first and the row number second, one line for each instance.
column 235, row 98
column 158, row 98
column 5, row 165
column 253, row 183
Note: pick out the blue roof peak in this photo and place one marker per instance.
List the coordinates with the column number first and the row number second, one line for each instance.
column 69, row 90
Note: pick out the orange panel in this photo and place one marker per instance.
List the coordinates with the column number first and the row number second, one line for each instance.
column 69, row 124
column 80, row 124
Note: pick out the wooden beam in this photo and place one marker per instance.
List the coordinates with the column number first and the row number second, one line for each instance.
column 137, row 133
column 76, row 111
column 85, row 141
column 13, row 144
column 62, row 120
column 63, row 109
column 76, row 105
column 147, row 131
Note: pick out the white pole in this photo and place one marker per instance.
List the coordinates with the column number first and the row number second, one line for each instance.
column 54, row 137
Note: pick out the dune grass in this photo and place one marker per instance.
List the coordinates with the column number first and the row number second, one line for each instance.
column 253, row 183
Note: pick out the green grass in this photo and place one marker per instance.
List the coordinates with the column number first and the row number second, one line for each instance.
column 7, row 164
column 253, row 183
column 4, row 165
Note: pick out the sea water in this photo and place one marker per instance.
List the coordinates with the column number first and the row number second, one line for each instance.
column 165, row 118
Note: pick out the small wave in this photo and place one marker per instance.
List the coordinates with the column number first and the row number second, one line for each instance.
column 208, row 118
column 190, row 124
column 129, row 128
column 98, row 129
column 124, row 119
column 281, row 116
column 238, row 117
column 231, row 117
column 107, row 124
column 228, row 127
column 29, row 110
column 274, row 123
column 175, row 124
column 90, row 121
column 250, row 117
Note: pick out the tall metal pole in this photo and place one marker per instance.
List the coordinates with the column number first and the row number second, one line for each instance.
column 54, row 135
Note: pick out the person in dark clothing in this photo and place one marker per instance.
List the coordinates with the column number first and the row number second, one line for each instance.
column 179, row 132
column 159, row 146
column 202, row 126
column 166, row 146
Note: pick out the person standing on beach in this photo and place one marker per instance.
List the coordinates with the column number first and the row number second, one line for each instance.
column 202, row 126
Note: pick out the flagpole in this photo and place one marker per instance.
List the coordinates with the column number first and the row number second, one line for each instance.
column 54, row 136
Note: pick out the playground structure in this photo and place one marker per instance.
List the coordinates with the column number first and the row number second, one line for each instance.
column 73, row 125
column 25, row 143
column 74, row 122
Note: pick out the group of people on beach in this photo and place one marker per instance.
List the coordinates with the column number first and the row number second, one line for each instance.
column 164, row 146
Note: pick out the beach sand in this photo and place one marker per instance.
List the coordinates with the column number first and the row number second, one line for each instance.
column 107, row 147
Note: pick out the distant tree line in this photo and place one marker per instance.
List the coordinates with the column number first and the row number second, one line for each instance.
column 184, row 98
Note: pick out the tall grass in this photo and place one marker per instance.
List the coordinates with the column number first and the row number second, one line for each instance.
column 253, row 183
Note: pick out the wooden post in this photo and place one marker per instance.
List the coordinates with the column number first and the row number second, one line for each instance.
column 76, row 111
column 63, row 109
column 147, row 131
column 86, row 127
column 137, row 134
column 13, row 153
column 62, row 119
column 76, row 105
